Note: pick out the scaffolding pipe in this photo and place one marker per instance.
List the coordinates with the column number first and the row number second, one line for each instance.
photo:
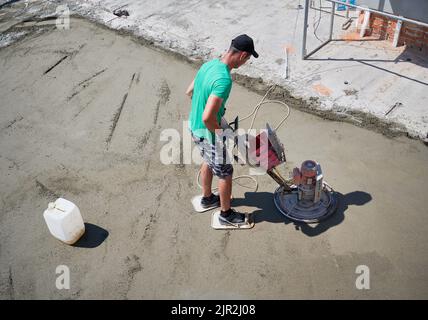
column 305, row 29
column 333, row 9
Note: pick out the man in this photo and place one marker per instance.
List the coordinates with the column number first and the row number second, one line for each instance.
column 209, row 92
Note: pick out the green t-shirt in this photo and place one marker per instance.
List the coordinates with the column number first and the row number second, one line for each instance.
column 212, row 78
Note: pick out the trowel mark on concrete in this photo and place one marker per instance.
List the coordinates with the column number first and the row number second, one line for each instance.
column 11, row 286
column 134, row 225
column 91, row 77
column 83, row 108
column 75, row 93
column 118, row 113
column 134, row 266
column 153, row 216
column 179, row 274
column 155, row 120
column 148, row 227
column 144, row 139
column 14, row 164
column 223, row 245
column 56, row 64
column 225, row 240
column 116, row 119
column 74, row 184
column 132, row 80
column 17, row 119
column 177, row 195
column 84, row 84
column 46, row 192
column 164, row 93
column 71, row 53
column 174, row 235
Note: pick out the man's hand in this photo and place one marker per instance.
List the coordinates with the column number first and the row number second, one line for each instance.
column 209, row 117
column 189, row 90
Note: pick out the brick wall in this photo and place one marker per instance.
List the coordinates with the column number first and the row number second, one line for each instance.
column 414, row 36
column 381, row 27
column 411, row 35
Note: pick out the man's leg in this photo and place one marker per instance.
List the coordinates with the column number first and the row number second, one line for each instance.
column 225, row 191
column 206, row 180
column 227, row 214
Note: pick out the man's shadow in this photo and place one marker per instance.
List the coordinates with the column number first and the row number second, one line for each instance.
column 268, row 212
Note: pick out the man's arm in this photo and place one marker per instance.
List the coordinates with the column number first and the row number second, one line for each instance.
column 209, row 117
column 189, row 90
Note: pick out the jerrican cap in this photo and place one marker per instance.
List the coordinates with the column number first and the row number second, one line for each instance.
column 245, row 43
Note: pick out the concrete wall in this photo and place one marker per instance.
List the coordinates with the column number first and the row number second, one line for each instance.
column 413, row 9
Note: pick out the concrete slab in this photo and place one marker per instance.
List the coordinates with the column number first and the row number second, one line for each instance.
column 357, row 80
column 82, row 113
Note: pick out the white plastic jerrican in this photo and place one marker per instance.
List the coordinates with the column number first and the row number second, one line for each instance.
column 64, row 221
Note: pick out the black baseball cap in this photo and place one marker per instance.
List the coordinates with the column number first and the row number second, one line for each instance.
column 244, row 43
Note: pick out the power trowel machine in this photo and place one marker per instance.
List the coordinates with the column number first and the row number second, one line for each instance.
column 306, row 197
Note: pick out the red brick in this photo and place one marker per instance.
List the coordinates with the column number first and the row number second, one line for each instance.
column 412, row 28
column 413, row 34
column 410, row 34
column 410, row 40
column 406, row 41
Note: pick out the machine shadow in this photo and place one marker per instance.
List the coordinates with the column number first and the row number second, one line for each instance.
column 357, row 198
column 92, row 237
column 266, row 207
column 268, row 212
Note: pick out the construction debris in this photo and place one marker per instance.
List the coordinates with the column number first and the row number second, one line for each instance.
column 398, row 104
column 347, row 24
column 121, row 13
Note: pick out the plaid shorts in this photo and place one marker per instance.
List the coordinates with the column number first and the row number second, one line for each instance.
column 210, row 155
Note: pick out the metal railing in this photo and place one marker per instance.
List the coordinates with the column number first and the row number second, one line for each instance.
column 333, row 9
